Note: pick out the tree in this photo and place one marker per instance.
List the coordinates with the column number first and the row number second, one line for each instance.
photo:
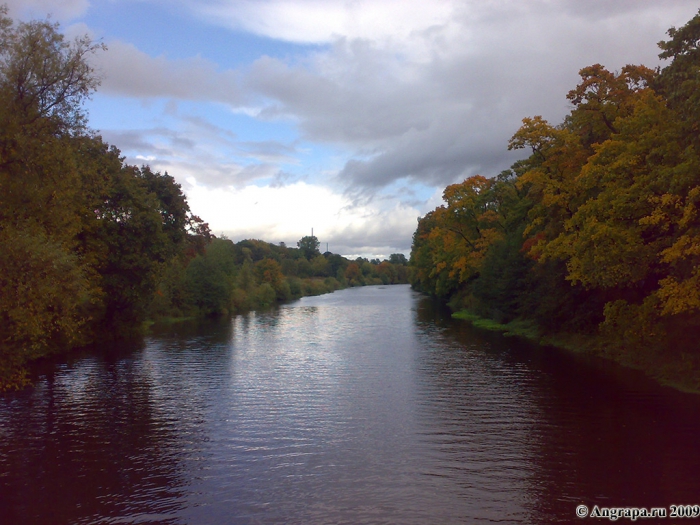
column 269, row 271
column 309, row 246
column 44, row 301
column 679, row 81
column 353, row 274
column 337, row 263
column 46, row 285
column 320, row 266
column 208, row 285
column 461, row 233
column 44, row 79
column 387, row 272
column 398, row 258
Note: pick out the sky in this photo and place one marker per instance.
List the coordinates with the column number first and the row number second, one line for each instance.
column 346, row 116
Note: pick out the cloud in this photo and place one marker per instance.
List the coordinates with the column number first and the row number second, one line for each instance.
column 430, row 94
column 58, row 10
column 270, row 151
column 200, row 156
column 127, row 71
column 216, row 176
column 401, row 92
column 597, row 10
column 288, row 213
column 441, row 103
column 320, row 21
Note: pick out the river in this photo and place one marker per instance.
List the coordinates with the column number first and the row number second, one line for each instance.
column 368, row 405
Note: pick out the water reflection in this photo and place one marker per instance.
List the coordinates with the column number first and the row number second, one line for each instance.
column 364, row 406
column 83, row 435
column 591, row 432
column 478, row 418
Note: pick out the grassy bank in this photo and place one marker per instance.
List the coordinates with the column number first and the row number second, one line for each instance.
column 677, row 369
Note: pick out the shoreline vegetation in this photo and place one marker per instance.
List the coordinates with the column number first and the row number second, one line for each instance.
column 233, row 278
column 676, row 372
column 592, row 243
column 311, row 287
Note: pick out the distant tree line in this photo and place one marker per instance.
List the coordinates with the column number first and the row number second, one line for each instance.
column 234, row 277
column 597, row 232
column 91, row 246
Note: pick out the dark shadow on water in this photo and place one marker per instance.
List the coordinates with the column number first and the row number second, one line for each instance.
column 599, row 433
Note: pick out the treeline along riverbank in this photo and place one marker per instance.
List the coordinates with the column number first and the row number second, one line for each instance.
column 91, row 246
column 251, row 274
column 593, row 241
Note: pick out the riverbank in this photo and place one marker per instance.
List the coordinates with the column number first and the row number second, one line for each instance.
column 299, row 288
column 679, row 370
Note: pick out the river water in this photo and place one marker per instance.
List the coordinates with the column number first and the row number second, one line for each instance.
column 369, row 405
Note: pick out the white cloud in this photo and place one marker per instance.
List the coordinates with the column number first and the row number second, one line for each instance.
column 448, row 111
column 321, row 21
column 288, row 213
column 189, row 146
column 434, row 116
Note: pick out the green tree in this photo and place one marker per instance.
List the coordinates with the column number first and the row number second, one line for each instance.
column 209, row 287
column 44, row 301
column 304, row 268
column 45, row 286
column 309, row 246
column 89, row 239
column 320, row 266
column 135, row 248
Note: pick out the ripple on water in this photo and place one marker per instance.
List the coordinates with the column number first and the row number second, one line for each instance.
column 363, row 406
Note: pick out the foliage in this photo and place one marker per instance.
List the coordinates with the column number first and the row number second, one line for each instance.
column 308, row 246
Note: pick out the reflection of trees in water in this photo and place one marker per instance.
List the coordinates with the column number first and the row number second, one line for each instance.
column 613, row 438
column 90, row 443
column 477, row 417
column 597, row 433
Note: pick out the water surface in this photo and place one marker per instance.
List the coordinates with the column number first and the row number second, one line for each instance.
column 368, row 405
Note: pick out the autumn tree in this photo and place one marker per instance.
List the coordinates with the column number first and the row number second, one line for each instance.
column 353, row 274
column 597, row 230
